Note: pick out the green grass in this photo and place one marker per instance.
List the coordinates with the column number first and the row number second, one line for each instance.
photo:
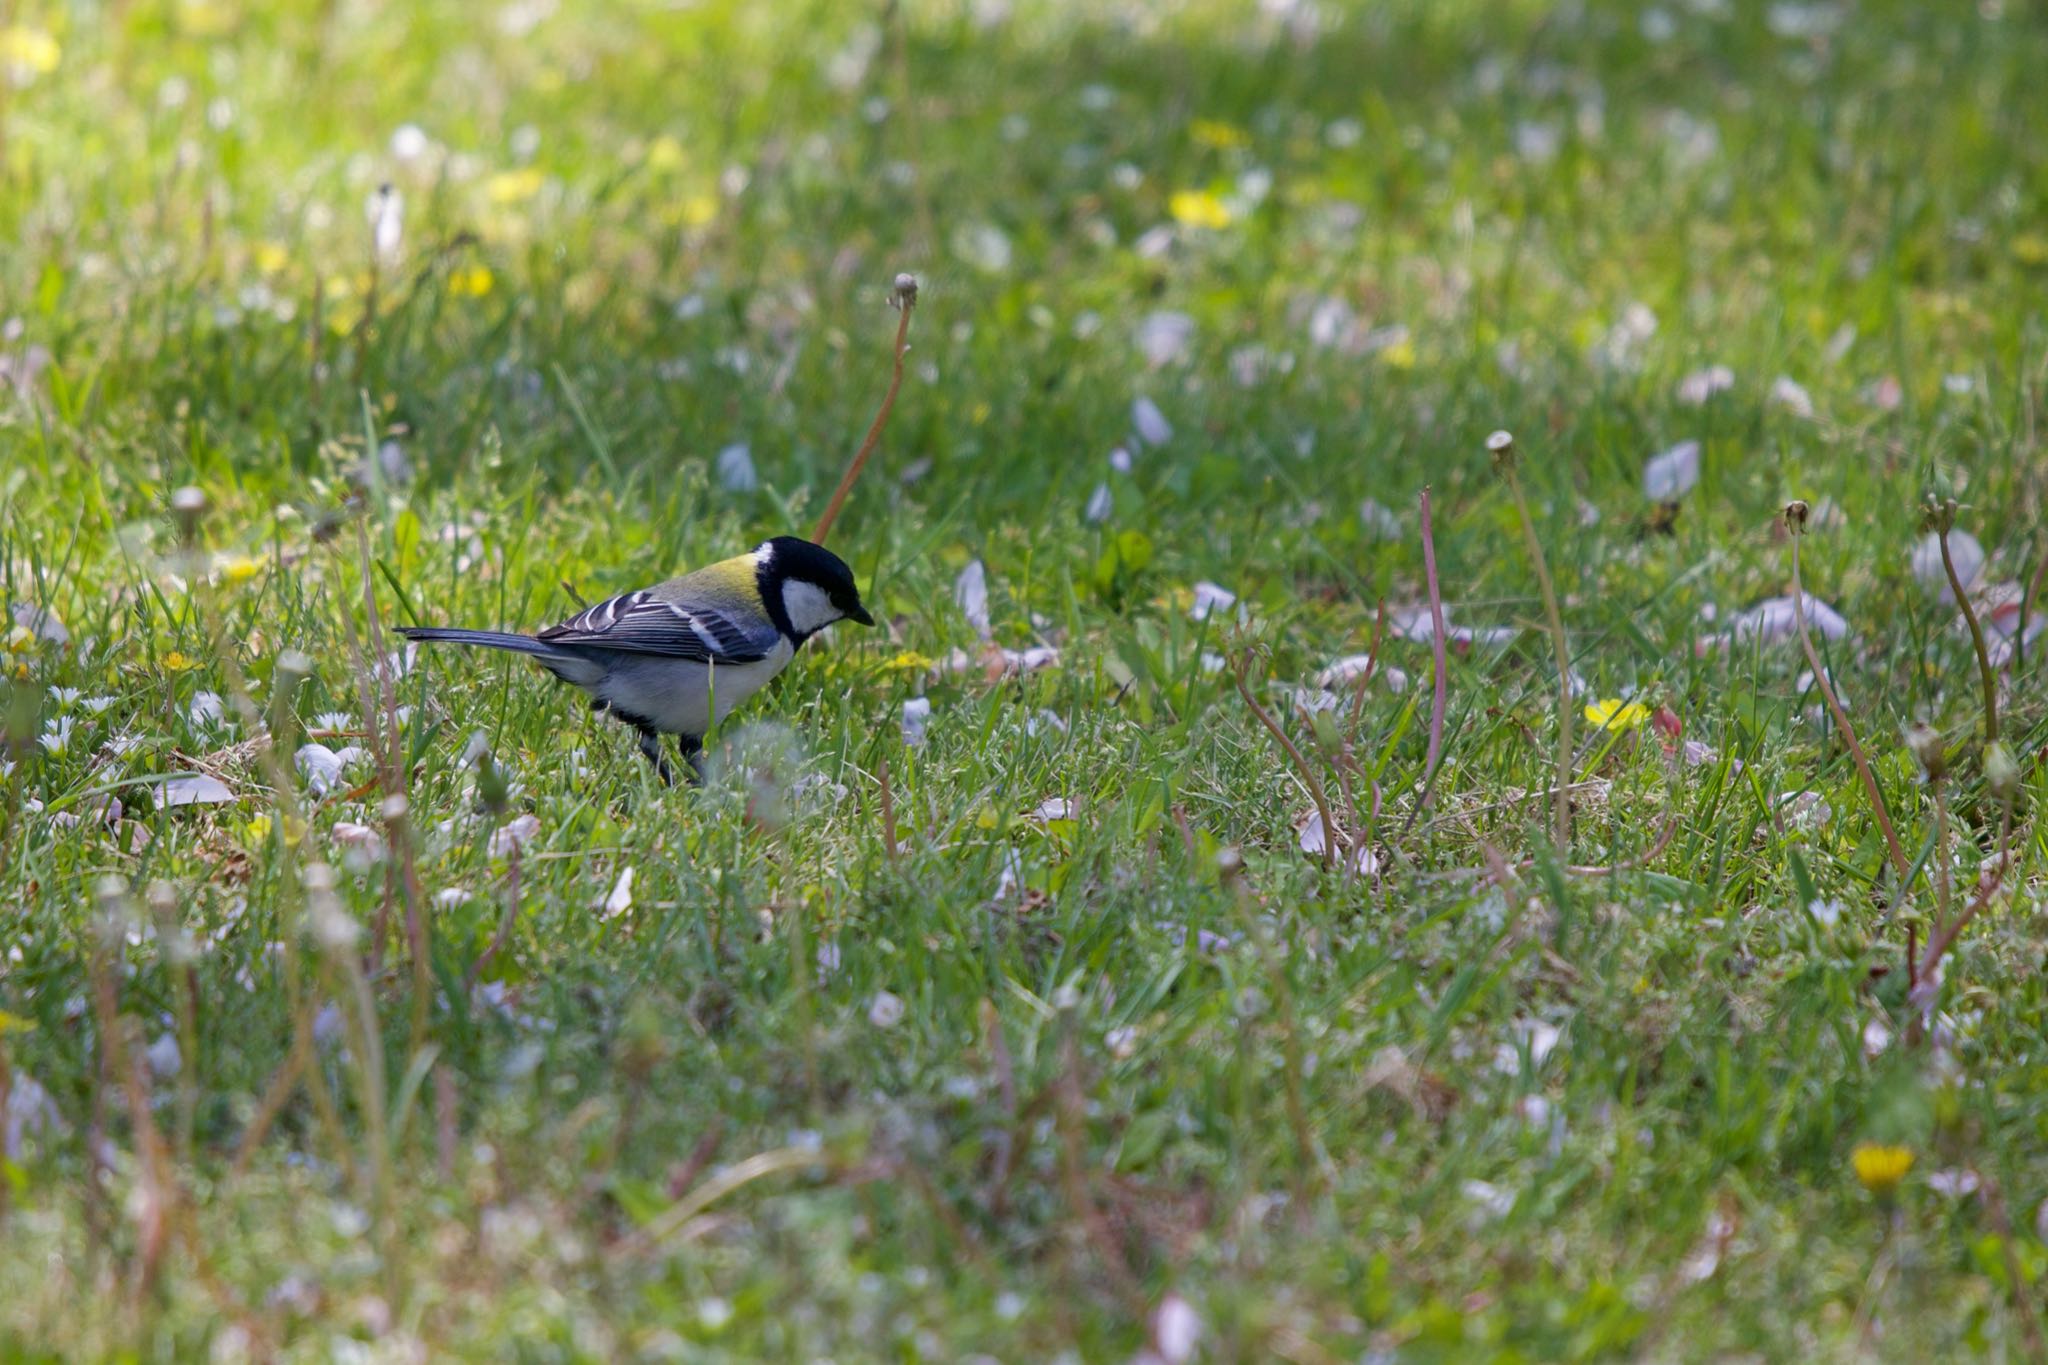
column 1473, row 1108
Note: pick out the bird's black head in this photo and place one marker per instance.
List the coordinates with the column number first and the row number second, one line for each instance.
column 806, row 587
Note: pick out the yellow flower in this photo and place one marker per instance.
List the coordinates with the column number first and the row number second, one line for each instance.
column 30, row 51
column 14, row 1023
column 1216, row 133
column 699, row 209
column 514, row 187
column 257, row 830
column 1198, row 209
column 2030, row 248
column 21, row 640
column 909, row 661
column 1615, row 714
column 204, row 19
column 470, row 282
column 270, row 257
column 664, row 154
column 177, row 662
column 239, row 568
column 1881, row 1167
column 1399, row 354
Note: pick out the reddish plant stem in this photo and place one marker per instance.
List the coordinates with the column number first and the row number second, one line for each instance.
column 1900, row 863
column 1301, row 764
column 906, row 300
column 1985, row 673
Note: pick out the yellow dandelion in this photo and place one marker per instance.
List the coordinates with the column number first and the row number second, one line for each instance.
column 699, row 209
column 270, row 257
column 238, row 569
column 29, row 51
column 257, row 830
column 1881, row 1167
column 1198, row 209
column 664, row 154
column 1216, row 133
column 205, row 18
column 470, row 281
column 514, row 187
column 909, row 661
column 178, row 662
column 1616, row 714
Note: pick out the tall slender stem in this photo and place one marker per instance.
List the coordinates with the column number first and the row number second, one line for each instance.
column 1795, row 518
column 1985, row 672
column 905, row 298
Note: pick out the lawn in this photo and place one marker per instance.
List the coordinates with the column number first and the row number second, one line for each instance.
column 1155, row 939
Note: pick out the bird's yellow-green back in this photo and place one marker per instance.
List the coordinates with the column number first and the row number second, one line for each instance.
column 729, row 585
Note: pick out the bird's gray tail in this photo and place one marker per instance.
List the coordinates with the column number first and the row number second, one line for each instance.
column 488, row 639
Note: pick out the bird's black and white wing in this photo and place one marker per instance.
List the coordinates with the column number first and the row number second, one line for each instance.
column 642, row 623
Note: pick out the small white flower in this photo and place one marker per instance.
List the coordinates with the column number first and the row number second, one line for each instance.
column 513, row 834
column 621, row 898
column 736, row 469
column 970, row 593
column 1932, row 575
column 56, row 736
column 320, row 766
column 206, row 710
column 1697, row 387
column 885, row 1010
column 1120, row 460
column 713, row 1313
column 1671, row 475
column 1149, row 422
column 1826, row 912
column 409, row 143
column 1176, row 1330
column 1100, row 505
column 1493, row 1201
column 1210, row 598
column 917, row 713
column 163, row 1057
column 1791, row 395
column 1165, row 338
column 1957, row 1182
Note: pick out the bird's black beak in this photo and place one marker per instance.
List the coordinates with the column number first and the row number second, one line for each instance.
column 860, row 614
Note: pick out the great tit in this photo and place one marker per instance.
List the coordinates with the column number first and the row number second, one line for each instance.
column 660, row 658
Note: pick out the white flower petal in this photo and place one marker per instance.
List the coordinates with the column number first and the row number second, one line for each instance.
column 1671, row 475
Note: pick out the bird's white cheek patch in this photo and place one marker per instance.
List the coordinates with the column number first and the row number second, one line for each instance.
column 808, row 607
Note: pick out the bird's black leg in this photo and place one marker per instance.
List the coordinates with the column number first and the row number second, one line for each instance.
column 650, row 744
column 693, row 754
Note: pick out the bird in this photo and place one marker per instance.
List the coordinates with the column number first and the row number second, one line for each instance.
column 662, row 659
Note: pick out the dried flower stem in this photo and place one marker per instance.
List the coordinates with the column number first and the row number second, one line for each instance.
column 1901, row 865
column 1942, row 937
column 1437, row 652
column 1294, row 754
column 889, row 845
column 1985, row 672
column 904, row 296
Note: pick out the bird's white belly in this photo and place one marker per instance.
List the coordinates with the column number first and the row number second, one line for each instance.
column 677, row 695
